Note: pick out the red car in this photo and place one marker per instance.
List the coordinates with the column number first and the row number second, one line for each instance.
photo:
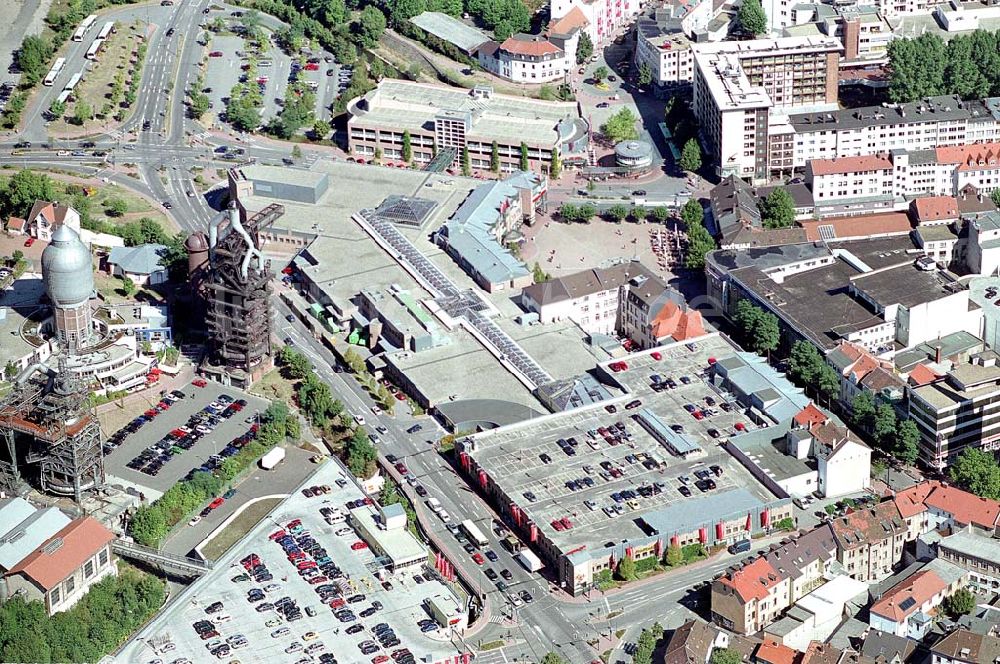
column 277, row 534
column 401, row 467
column 215, row 504
column 478, row 557
column 306, row 564
column 215, row 54
column 359, row 546
column 337, row 603
column 30, row 241
column 400, row 396
column 199, row 382
column 152, row 412
column 293, row 523
column 311, row 66
column 380, row 659
column 296, row 555
column 317, row 579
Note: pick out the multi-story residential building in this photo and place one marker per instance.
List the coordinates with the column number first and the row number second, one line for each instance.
column 961, row 410
column 925, row 124
column 64, row 567
column 932, row 505
column 870, row 541
column 907, row 609
column 45, row 217
column 899, row 8
column 604, row 17
column 748, row 599
column 860, row 371
column 526, row 59
column 978, row 554
column 737, row 86
column 965, row 647
column 804, row 560
column 445, row 121
column 627, row 299
column 664, row 35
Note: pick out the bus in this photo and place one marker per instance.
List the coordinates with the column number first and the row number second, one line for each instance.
column 95, row 49
column 82, row 30
column 50, row 78
column 106, row 30
column 64, row 96
column 474, row 534
column 74, row 79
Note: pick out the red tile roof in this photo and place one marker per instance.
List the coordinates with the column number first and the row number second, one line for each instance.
column 772, row 652
column 910, row 501
column 573, row 20
column 922, row 375
column 48, row 565
column 964, row 507
column 680, row 324
column 529, row 45
column 850, row 164
column 753, row 581
column 809, row 416
column 935, row 208
column 15, row 224
column 977, row 156
column 868, row 225
column 920, row 587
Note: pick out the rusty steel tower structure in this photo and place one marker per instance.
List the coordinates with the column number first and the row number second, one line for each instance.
column 46, row 421
column 237, row 292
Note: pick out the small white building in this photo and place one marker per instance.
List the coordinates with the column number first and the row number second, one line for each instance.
column 907, row 609
column 45, row 217
column 143, row 264
column 448, row 613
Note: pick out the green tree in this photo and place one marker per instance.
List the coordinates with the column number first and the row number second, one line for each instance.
column 466, row 167
column 660, row 214
column 569, row 212
column 804, row 363
column 371, row 25
column 645, row 74
column 408, row 147
column 692, row 213
column 82, row 112
column 116, row 206
column 360, row 454
column 584, row 48
column 726, row 656
column 828, row 384
column 690, row 156
column 626, row 569
column 555, row 165
column 751, row 18
column 23, row 189
column 863, row 410
column 617, row 213
column 10, row 371
column 759, row 328
column 524, row 166
column 586, row 212
column 700, row 242
column 960, row 604
column 552, row 658
column 995, row 197
column 495, row 158
column 621, row 126
column 296, row 365
column 907, row 442
column 538, row 273
column 601, row 73
column 777, row 210
column 978, row 472
column 296, row 152
column 128, row 287
column 199, row 105
column 674, row 556
column 321, row 129
column 57, row 109
column 884, row 425
column 33, row 58
column 402, row 11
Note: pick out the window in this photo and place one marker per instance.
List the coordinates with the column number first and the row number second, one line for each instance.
column 54, row 596
column 88, row 569
column 70, row 585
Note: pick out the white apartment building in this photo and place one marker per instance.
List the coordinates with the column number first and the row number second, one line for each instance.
column 527, row 59
column 737, row 86
column 604, row 17
column 921, row 125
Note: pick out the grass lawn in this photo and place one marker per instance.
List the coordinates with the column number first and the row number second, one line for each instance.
column 95, row 88
column 239, row 527
column 273, row 386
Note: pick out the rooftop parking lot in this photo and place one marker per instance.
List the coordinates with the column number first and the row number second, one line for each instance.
column 386, row 616
column 584, row 477
column 175, row 456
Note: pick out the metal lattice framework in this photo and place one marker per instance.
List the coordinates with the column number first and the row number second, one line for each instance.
column 46, row 420
column 238, row 308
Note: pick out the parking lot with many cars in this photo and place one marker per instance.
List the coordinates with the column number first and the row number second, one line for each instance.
column 301, row 587
column 191, row 428
column 227, row 64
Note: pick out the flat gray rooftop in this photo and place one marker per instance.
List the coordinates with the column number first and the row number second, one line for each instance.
column 906, row 285
column 451, row 30
column 512, row 456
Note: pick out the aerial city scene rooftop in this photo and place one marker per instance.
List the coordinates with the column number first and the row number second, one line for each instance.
column 500, row 332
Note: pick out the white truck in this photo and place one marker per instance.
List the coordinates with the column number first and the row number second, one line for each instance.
column 272, row 458
column 530, row 561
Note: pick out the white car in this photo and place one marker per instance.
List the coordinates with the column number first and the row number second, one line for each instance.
column 443, row 514
column 360, row 419
column 195, row 520
column 344, row 531
column 376, row 410
column 271, row 587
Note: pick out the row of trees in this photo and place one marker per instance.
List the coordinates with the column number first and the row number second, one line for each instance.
column 896, row 437
column 111, row 610
column 757, row 329
column 618, row 213
column 967, row 66
column 153, row 522
column 700, row 241
column 646, row 644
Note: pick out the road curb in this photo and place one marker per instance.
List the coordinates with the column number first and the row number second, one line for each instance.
column 232, row 517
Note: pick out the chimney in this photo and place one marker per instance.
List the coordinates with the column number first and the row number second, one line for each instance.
column 937, row 354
